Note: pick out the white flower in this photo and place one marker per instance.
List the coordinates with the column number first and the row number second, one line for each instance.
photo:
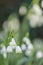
column 23, row 47
column 22, row 10
column 30, row 47
column 28, row 52
column 9, row 49
column 40, row 21
column 34, row 20
column 37, row 10
column 12, row 43
column 39, row 54
column 5, row 55
column 18, row 49
column 26, row 40
column 14, row 24
column 42, row 4
column 13, row 47
column 3, row 50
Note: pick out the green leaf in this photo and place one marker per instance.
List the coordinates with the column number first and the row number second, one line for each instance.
column 22, row 61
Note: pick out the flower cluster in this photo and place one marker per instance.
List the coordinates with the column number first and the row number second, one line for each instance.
column 26, row 47
column 9, row 49
column 18, row 49
column 36, row 18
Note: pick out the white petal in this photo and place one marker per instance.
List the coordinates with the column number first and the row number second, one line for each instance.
column 26, row 40
column 5, row 55
column 3, row 50
column 37, row 10
column 34, row 20
column 9, row 49
column 22, row 10
column 23, row 47
column 12, row 43
column 18, row 49
column 13, row 47
column 30, row 47
column 39, row 54
column 28, row 53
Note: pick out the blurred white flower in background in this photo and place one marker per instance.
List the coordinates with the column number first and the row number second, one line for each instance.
column 23, row 47
column 3, row 51
column 28, row 43
column 39, row 54
column 42, row 3
column 28, row 52
column 22, row 10
column 34, row 20
column 5, row 55
column 14, row 24
column 26, row 40
column 35, row 16
column 18, row 49
column 9, row 49
column 29, row 47
column 40, row 21
column 37, row 10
